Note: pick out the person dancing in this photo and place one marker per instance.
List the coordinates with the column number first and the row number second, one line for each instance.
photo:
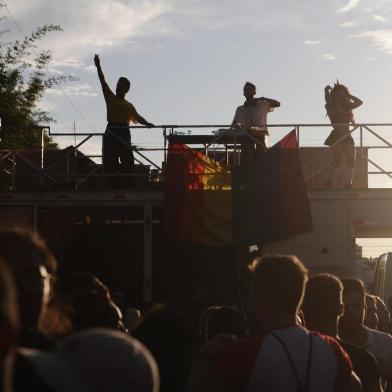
column 339, row 104
column 117, row 154
column 251, row 117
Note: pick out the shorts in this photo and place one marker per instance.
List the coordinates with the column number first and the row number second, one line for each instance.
column 336, row 137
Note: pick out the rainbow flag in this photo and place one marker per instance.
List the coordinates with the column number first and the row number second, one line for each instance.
column 209, row 203
column 198, row 205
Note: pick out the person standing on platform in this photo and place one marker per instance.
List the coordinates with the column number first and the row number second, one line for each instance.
column 117, row 155
column 252, row 118
column 340, row 104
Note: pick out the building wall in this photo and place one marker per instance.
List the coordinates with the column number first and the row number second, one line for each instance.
column 339, row 217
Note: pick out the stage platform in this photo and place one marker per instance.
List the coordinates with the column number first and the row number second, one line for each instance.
column 97, row 198
column 123, row 231
column 155, row 196
column 118, row 234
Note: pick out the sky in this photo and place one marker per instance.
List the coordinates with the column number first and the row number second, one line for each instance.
column 188, row 60
column 374, row 247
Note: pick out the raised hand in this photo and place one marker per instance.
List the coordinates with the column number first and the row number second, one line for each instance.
column 97, row 61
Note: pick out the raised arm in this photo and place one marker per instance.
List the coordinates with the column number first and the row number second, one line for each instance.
column 273, row 102
column 327, row 93
column 101, row 76
column 355, row 102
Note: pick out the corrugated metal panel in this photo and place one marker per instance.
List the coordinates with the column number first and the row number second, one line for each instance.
column 373, row 211
column 328, row 246
column 316, row 165
column 16, row 216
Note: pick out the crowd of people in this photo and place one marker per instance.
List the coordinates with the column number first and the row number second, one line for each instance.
column 301, row 332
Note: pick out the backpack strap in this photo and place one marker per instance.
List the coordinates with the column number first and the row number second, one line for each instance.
column 309, row 361
column 310, row 351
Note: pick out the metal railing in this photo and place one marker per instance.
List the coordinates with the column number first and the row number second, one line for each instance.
column 369, row 137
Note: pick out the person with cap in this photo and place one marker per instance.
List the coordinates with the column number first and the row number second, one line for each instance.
column 95, row 360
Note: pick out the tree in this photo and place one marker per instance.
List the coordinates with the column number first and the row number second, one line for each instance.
column 23, row 81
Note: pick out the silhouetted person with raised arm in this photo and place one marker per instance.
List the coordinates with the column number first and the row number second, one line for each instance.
column 117, row 155
column 339, row 104
column 252, row 118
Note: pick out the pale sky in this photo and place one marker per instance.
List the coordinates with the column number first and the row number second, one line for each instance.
column 188, row 59
column 374, row 247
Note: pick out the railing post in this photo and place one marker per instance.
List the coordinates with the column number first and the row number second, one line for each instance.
column 164, row 145
column 42, row 156
column 235, row 158
column 67, row 176
column 362, row 151
column 42, row 147
column 147, row 254
column 35, row 217
column 14, row 173
column 102, row 142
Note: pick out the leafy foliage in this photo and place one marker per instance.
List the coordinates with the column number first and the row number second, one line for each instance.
column 23, row 81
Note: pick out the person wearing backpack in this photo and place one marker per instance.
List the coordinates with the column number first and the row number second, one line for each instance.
column 284, row 356
column 322, row 308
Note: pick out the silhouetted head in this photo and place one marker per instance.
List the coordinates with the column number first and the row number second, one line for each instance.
column 227, row 319
column 354, row 303
column 384, row 317
column 390, row 303
column 278, row 287
column 123, row 86
column 70, row 287
column 249, row 90
column 371, row 316
column 205, row 320
column 87, row 302
column 171, row 336
column 9, row 320
column 341, row 96
column 31, row 263
column 95, row 360
column 323, row 303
